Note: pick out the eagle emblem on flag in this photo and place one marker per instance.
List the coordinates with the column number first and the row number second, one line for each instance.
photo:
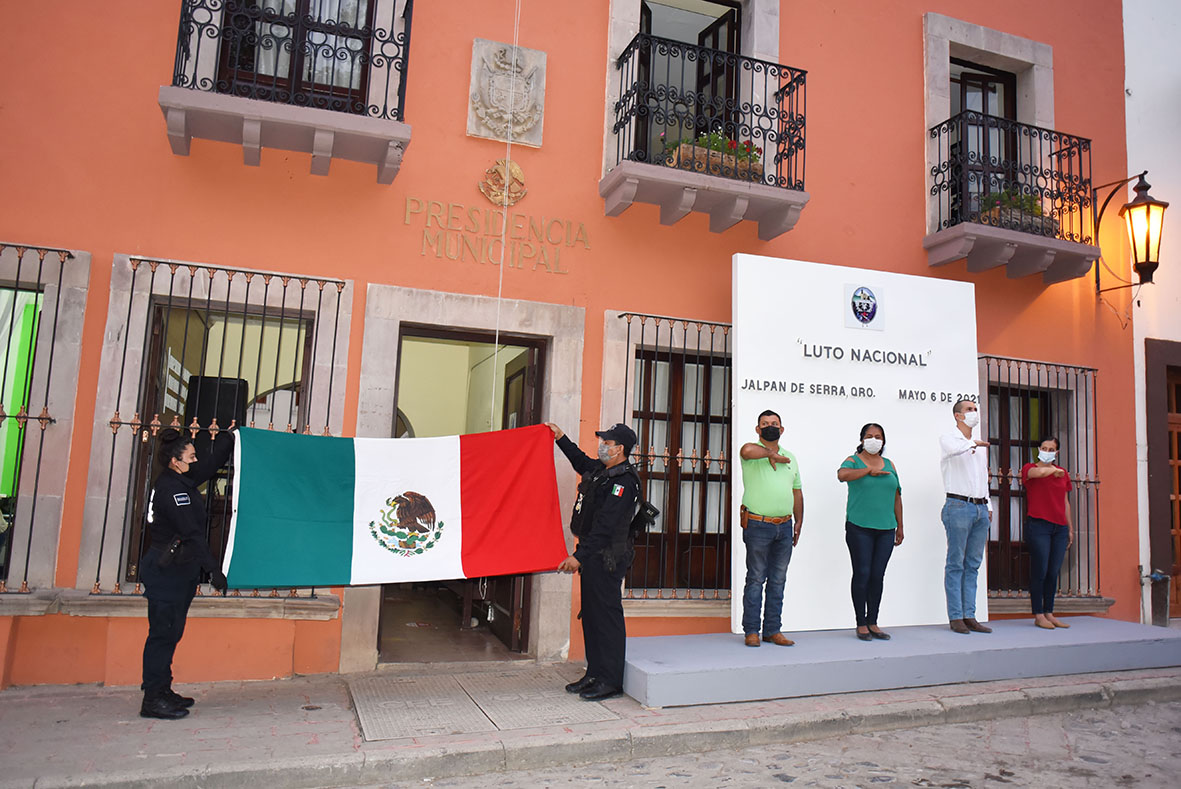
column 409, row 526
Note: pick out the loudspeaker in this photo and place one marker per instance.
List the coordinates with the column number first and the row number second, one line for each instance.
column 209, row 396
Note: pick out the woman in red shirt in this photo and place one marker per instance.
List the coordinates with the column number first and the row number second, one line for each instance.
column 1048, row 529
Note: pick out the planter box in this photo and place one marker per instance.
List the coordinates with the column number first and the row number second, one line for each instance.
column 688, row 156
column 1015, row 219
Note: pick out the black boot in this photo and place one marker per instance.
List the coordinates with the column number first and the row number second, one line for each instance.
column 597, row 691
column 158, row 705
column 580, row 685
column 178, row 700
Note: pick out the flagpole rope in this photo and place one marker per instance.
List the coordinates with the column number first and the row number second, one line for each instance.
column 508, row 154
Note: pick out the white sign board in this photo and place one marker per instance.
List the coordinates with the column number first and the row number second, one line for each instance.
column 831, row 348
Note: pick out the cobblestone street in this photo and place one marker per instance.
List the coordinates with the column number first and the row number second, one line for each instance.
column 1135, row 746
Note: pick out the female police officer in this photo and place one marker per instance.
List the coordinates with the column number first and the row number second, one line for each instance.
column 171, row 567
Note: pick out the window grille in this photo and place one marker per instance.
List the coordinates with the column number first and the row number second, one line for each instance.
column 680, row 381
column 220, row 347
column 1028, row 400
column 30, row 303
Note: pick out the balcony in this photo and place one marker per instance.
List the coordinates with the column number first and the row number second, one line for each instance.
column 702, row 130
column 323, row 78
column 1010, row 194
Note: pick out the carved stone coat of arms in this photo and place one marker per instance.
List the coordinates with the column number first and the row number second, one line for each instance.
column 507, row 96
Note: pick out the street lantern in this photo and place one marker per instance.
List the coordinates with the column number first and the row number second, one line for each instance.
column 1144, row 217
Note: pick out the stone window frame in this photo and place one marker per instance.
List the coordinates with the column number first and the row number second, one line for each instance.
column 112, row 360
column 945, row 37
column 387, row 307
column 759, row 36
column 63, row 394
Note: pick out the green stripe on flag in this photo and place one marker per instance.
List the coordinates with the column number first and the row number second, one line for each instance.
column 285, row 528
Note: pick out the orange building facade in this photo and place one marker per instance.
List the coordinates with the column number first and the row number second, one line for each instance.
column 315, row 194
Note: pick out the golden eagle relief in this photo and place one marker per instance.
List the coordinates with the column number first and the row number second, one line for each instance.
column 504, row 183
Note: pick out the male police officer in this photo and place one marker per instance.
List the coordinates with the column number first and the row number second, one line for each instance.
column 171, row 567
column 602, row 515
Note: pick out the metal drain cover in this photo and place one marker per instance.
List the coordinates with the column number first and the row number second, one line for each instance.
column 526, row 699
column 393, row 707
column 389, row 708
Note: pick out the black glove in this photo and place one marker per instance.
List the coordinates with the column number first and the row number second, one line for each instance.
column 218, row 581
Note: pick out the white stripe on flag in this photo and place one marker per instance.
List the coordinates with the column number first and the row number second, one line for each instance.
column 387, row 468
column 237, row 487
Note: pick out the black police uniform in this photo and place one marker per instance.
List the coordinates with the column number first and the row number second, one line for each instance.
column 604, row 511
column 176, row 510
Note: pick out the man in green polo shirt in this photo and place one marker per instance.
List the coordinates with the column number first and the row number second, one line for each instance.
column 772, row 515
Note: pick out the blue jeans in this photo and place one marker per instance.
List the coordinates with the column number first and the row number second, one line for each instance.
column 966, row 525
column 1047, row 548
column 768, row 552
column 869, row 550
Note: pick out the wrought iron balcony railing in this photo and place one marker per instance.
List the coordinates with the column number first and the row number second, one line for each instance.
column 340, row 55
column 993, row 171
column 709, row 111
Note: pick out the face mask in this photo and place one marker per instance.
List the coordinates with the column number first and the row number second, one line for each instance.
column 971, row 418
column 604, row 453
column 1046, row 457
column 872, row 445
column 769, row 433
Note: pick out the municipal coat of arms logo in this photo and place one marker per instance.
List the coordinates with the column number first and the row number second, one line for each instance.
column 409, row 526
column 507, row 94
column 864, row 305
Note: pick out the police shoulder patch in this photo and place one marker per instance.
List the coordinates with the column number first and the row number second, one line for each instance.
column 181, row 499
column 617, row 490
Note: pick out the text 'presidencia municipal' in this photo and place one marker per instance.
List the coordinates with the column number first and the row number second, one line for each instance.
column 473, row 234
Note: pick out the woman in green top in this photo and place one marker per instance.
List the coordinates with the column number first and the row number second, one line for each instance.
column 873, row 524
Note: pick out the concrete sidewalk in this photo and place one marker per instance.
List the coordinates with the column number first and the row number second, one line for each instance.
column 303, row 732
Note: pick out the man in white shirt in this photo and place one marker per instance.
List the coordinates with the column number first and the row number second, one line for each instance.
column 966, row 516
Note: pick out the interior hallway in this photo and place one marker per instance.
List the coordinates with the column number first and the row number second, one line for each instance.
column 420, row 624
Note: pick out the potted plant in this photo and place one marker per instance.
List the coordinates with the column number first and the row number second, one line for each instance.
column 1016, row 210
column 715, row 154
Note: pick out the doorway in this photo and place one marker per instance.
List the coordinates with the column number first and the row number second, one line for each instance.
column 455, row 382
column 987, row 140
column 701, row 78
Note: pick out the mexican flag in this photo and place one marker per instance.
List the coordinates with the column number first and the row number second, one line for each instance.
column 323, row 511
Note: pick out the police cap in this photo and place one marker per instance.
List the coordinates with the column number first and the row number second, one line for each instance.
column 620, row 434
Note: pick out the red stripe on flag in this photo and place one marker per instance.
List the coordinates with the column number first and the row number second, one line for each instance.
column 512, row 521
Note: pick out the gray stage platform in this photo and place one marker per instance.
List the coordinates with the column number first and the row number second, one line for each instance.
column 673, row 671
